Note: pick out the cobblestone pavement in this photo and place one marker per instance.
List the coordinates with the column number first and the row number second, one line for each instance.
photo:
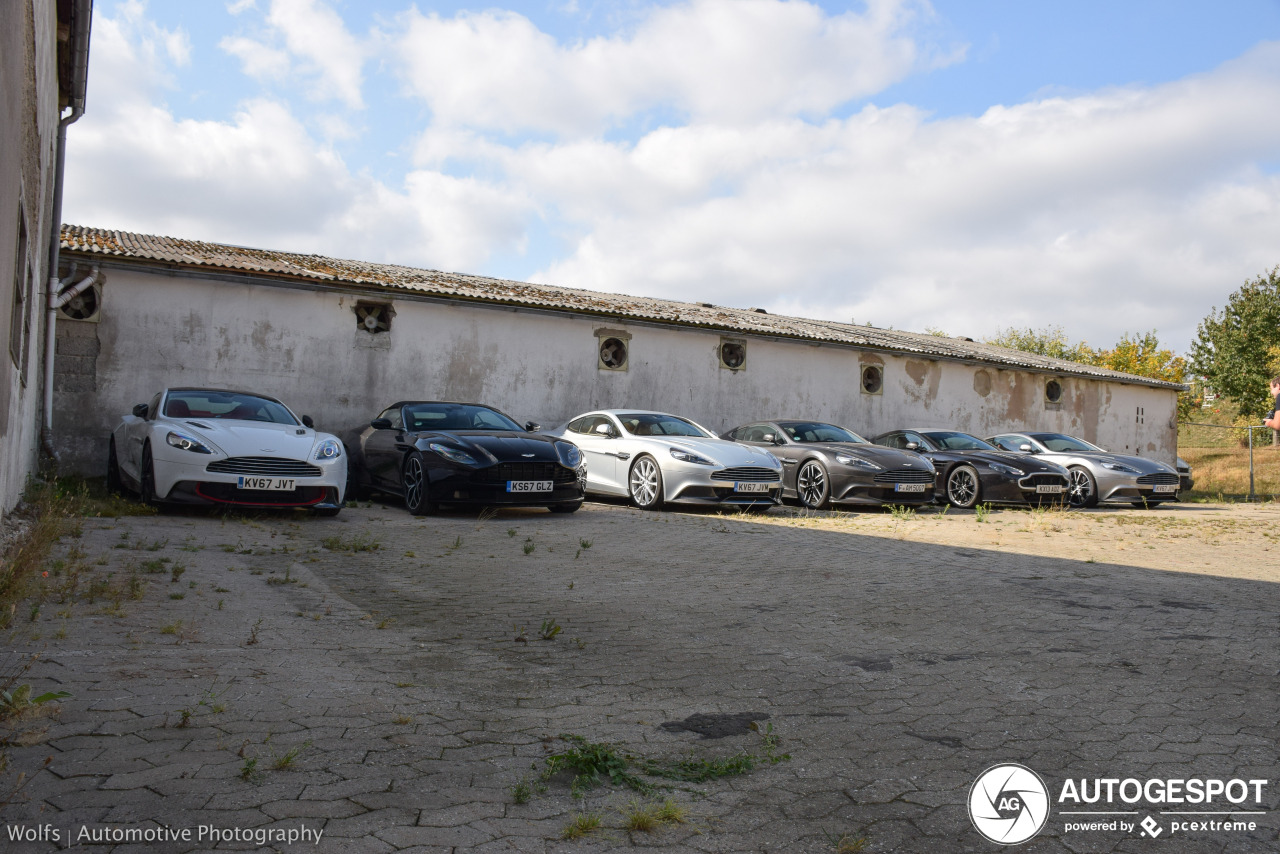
column 250, row 673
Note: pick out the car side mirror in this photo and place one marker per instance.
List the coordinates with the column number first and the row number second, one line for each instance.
column 1026, row 449
column 532, row 427
column 380, row 424
column 913, row 446
column 140, row 411
column 307, row 422
column 605, row 430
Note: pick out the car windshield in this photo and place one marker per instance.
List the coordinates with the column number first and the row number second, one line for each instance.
column 455, row 416
column 653, row 424
column 228, row 405
column 1060, row 443
column 813, row 431
column 949, row 441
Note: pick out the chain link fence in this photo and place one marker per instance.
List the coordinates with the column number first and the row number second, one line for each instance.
column 1221, row 466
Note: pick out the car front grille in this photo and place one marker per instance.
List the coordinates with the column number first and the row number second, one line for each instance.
column 746, row 473
column 905, row 476
column 503, row 472
column 1163, row 477
column 264, row 467
column 1033, row 480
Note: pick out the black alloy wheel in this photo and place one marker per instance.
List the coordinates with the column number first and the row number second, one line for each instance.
column 1083, row 491
column 812, row 485
column 147, row 478
column 413, row 479
column 963, row 487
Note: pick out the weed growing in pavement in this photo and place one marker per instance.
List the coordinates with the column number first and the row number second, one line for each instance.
column 579, row 642
column 529, row 546
column 286, row 760
column 511, row 532
column 584, row 543
column 402, row 719
column 902, row 513
column 176, row 572
column 249, row 771
column 522, row 635
column 185, row 720
column 844, row 843
column 457, row 544
column 583, row 824
column 523, row 792
column 385, row 623
column 361, row 542
column 549, row 629
column 981, row 512
column 287, row 579
column 253, row 633
column 155, row 566
column 177, row 596
column 647, row 818
column 171, row 628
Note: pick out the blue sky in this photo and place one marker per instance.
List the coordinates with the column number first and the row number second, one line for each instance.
column 958, row 165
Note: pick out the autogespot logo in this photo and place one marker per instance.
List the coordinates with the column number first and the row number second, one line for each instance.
column 1009, row 804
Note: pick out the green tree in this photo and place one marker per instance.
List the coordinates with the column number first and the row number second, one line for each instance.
column 1234, row 348
column 1051, row 341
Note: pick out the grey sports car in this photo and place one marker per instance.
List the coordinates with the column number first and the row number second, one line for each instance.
column 1097, row 475
column 825, row 464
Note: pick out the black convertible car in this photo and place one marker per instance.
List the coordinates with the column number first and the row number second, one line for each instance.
column 432, row 453
column 824, row 464
column 971, row 471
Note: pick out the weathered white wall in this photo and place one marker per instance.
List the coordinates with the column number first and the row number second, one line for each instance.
column 28, row 135
column 303, row 347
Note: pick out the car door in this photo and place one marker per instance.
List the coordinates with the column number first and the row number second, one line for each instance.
column 601, row 453
column 381, row 452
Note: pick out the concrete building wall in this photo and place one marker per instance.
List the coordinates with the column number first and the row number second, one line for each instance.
column 303, row 346
column 28, row 136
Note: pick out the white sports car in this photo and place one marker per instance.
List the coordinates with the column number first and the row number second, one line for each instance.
column 208, row 446
column 656, row 458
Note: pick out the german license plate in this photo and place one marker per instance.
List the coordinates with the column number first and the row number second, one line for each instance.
column 1052, row 489
column 1166, row 487
column 529, row 486
column 753, row 487
column 909, row 487
column 274, row 484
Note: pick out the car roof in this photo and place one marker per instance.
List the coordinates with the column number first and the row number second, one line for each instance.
column 616, row 412
column 400, row 403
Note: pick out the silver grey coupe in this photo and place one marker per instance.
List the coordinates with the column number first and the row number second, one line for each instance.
column 1096, row 474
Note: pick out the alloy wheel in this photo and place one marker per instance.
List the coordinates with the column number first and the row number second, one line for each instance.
column 644, row 482
column 962, row 487
column 1081, row 488
column 811, row 484
column 412, row 483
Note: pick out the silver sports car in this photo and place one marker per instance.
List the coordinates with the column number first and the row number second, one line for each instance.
column 1097, row 475
column 655, row 458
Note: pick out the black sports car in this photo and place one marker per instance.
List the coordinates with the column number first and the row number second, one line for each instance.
column 432, row 453
column 971, row 471
column 824, row 464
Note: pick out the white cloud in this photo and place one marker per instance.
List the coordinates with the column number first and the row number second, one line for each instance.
column 1133, row 199
column 307, row 39
column 726, row 61
column 258, row 178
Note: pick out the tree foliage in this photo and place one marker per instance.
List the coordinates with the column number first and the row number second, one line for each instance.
column 1140, row 355
column 1237, row 348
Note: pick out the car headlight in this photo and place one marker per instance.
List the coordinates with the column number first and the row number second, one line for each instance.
column 686, row 457
column 569, row 454
column 1116, row 465
column 453, row 454
column 1009, row 470
column 186, row 443
column 774, row 461
column 847, row 460
column 329, row 449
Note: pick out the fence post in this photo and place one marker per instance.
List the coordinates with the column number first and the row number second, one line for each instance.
column 1251, row 495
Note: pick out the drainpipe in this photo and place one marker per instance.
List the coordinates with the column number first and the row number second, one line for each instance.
column 82, row 12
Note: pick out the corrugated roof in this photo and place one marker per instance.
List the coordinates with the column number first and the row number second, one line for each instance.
column 196, row 254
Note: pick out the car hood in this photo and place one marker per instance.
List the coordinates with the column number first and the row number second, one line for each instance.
column 251, row 438
column 719, row 451
column 504, row 446
column 1027, row 463
column 1143, row 465
column 888, row 458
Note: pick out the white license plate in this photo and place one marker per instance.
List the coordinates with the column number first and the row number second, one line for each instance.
column 909, row 487
column 753, row 487
column 529, row 486
column 275, row 484
column 1049, row 490
column 1166, row 487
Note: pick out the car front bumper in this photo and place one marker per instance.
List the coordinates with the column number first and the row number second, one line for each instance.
column 187, row 480
column 693, row 484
